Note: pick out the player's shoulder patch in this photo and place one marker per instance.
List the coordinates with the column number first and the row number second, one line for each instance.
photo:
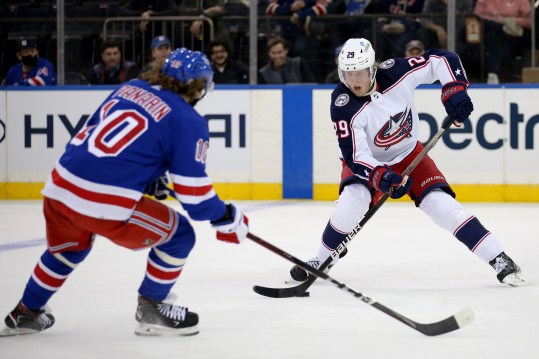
column 387, row 64
column 342, row 100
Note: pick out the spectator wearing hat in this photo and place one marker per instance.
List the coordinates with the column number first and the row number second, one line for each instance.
column 112, row 69
column 160, row 48
column 333, row 76
column 226, row 70
column 32, row 70
column 414, row 48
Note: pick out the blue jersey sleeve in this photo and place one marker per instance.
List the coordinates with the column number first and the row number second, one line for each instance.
column 189, row 143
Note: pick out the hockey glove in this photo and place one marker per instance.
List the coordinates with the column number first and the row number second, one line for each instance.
column 457, row 103
column 233, row 227
column 382, row 178
column 159, row 189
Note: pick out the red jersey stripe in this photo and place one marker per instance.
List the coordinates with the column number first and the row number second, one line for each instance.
column 192, row 190
column 92, row 196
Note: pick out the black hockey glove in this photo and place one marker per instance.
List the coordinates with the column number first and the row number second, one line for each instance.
column 382, row 178
column 456, row 101
column 159, row 188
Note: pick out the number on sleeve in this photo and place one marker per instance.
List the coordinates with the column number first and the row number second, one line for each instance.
column 341, row 128
column 414, row 61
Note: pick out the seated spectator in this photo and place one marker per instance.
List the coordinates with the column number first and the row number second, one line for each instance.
column 353, row 24
column 160, row 48
column 503, row 27
column 147, row 29
column 437, row 26
column 282, row 69
column 300, row 30
column 226, row 70
column 32, row 69
column 333, row 76
column 393, row 33
column 199, row 30
column 147, row 8
column 112, row 70
column 414, row 48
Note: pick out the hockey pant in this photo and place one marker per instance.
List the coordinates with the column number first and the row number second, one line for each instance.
column 70, row 236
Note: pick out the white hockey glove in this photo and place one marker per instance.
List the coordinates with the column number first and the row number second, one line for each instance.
column 233, row 227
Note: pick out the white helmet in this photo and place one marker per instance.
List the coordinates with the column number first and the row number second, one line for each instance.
column 356, row 54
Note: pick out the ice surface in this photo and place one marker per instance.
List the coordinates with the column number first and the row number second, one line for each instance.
column 400, row 258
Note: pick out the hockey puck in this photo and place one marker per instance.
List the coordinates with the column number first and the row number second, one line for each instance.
column 305, row 294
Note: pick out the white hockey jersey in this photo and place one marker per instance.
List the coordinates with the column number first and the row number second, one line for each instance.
column 383, row 128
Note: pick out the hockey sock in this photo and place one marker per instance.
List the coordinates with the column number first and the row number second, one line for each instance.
column 449, row 214
column 48, row 276
column 353, row 203
column 330, row 240
column 478, row 239
column 165, row 262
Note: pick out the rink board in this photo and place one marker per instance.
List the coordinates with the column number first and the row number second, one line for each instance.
column 274, row 142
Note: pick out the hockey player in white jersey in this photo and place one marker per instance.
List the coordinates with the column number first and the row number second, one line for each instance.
column 377, row 126
column 142, row 130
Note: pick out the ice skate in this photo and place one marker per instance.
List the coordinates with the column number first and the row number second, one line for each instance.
column 301, row 275
column 158, row 318
column 26, row 321
column 507, row 270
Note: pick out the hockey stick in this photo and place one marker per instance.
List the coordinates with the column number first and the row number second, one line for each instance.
column 460, row 319
column 299, row 289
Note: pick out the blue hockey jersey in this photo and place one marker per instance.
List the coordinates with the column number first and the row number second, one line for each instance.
column 42, row 74
column 135, row 136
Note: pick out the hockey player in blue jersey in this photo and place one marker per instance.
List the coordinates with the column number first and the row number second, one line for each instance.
column 144, row 129
column 377, row 127
column 32, row 69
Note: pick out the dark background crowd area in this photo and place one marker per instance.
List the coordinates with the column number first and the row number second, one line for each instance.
column 315, row 42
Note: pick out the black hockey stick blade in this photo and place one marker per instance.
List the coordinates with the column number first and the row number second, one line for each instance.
column 459, row 320
column 285, row 292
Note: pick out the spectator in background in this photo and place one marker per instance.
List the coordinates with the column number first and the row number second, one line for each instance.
column 333, row 76
column 199, row 29
column 503, row 27
column 32, row 69
column 437, row 26
column 148, row 8
column 393, row 33
column 226, row 70
column 282, row 69
column 160, row 48
column 353, row 24
column 112, row 70
column 300, row 30
column 146, row 30
column 414, row 48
